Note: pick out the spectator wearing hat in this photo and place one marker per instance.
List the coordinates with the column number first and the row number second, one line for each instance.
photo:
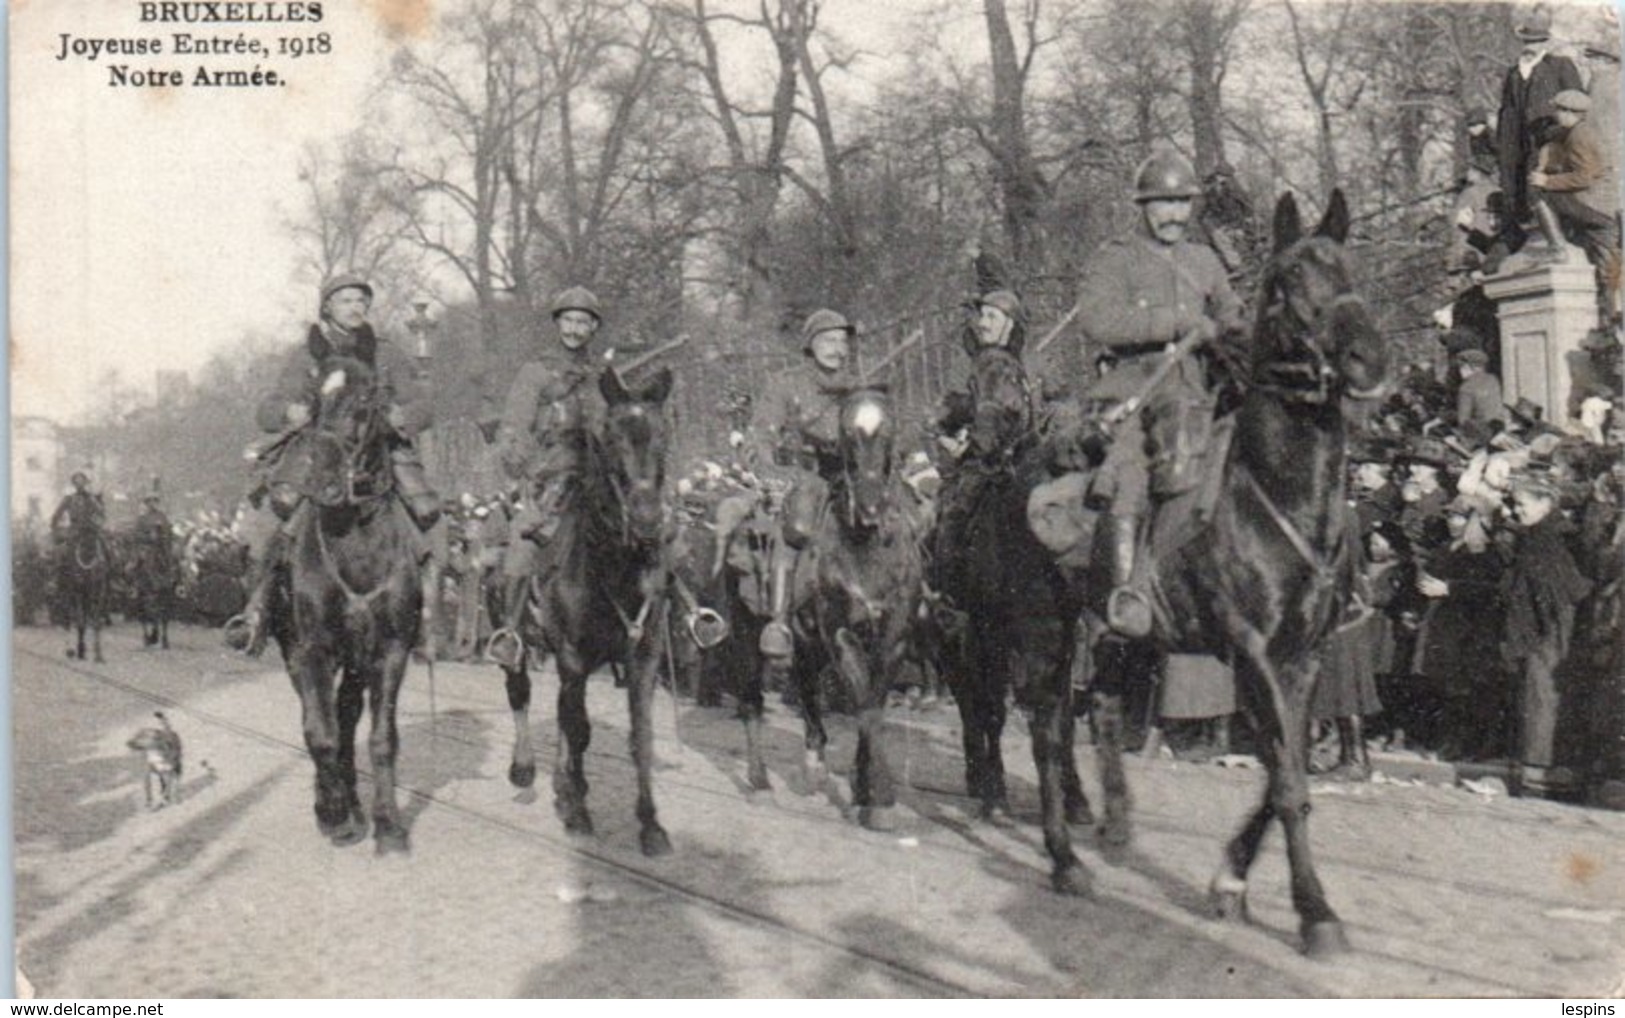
column 1376, row 497
column 1576, row 179
column 1478, row 399
column 1480, row 208
column 1603, row 351
column 1346, row 693
column 1463, row 582
column 1424, row 495
column 1525, row 117
column 1543, row 586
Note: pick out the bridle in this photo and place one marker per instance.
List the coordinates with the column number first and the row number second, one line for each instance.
column 363, row 482
column 1312, row 381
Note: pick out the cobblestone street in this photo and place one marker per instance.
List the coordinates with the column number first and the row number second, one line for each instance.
column 234, row 893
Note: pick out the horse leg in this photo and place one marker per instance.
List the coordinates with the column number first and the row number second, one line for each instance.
column 1322, row 930
column 313, row 678
column 872, row 788
column 652, row 838
column 348, row 706
column 575, row 733
column 383, row 744
column 1074, row 802
column 1116, row 830
column 1047, row 713
column 522, row 769
column 95, row 634
column 970, row 728
column 751, row 707
column 1281, row 713
column 815, row 771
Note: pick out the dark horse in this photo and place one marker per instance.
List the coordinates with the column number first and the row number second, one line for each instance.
column 83, row 575
column 1266, row 578
column 351, row 606
column 1019, row 611
column 599, row 598
column 156, row 574
column 857, row 590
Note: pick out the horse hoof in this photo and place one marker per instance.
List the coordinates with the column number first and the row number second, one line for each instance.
column 816, row 775
column 348, row 833
column 1116, row 832
column 1072, row 880
column 522, row 775
column 1230, row 906
column 758, row 780
column 654, row 841
column 392, row 843
column 998, row 814
column 576, row 820
column 878, row 818
column 1078, row 814
column 1325, row 939
column 100, row 660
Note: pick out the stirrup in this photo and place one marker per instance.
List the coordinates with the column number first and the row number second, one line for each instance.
column 245, row 633
column 506, row 649
column 1129, row 613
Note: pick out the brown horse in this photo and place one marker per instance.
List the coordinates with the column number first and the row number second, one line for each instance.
column 349, row 614
column 857, row 592
column 600, row 598
column 83, row 576
column 1265, row 579
column 1020, row 609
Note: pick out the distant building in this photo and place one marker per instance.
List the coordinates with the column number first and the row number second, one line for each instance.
column 37, row 475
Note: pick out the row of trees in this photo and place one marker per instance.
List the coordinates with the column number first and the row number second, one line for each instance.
column 721, row 167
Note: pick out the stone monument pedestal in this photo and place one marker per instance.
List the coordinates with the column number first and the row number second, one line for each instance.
column 1544, row 314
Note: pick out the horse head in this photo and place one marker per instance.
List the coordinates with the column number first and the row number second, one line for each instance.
column 635, row 437
column 1001, row 402
column 1316, row 337
column 864, row 461
column 350, row 459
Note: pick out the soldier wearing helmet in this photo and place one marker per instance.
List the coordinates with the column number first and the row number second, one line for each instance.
column 997, row 320
column 1141, row 293
column 81, row 509
column 800, row 412
column 341, row 331
column 550, row 403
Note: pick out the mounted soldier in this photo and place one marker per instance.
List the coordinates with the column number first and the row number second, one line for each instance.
column 1000, row 323
column 799, row 413
column 80, row 510
column 152, row 527
column 1142, row 293
column 551, row 402
column 342, row 333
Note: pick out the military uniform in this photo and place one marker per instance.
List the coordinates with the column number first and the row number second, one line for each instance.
column 1141, row 295
column 798, row 414
column 551, row 402
column 286, row 473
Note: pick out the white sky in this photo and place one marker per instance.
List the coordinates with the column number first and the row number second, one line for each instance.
column 145, row 224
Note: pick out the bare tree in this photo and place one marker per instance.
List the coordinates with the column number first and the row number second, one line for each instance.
column 1205, row 30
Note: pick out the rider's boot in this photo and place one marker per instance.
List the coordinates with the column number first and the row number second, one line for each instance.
column 776, row 640
column 422, row 503
column 245, row 631
column 1128, row 609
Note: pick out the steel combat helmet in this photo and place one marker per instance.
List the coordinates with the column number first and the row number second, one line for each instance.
column 1165, row 174
column 576, row 298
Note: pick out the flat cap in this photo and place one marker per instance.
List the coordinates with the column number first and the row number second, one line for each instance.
column 1571, row 99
